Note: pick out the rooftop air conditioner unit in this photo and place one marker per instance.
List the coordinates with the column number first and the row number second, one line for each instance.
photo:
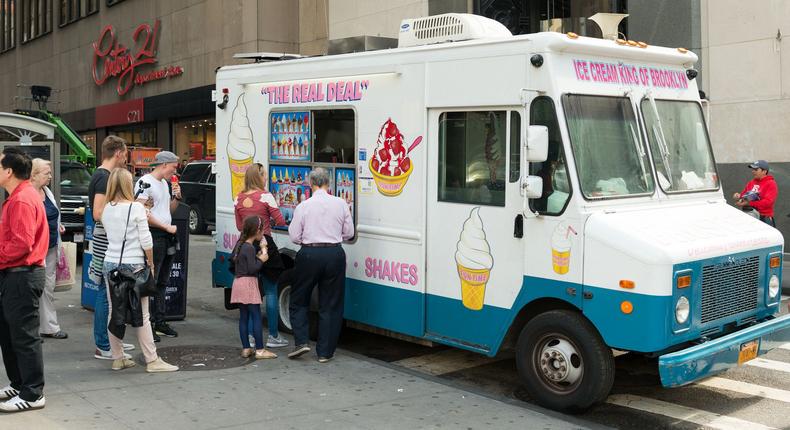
column 449, row 27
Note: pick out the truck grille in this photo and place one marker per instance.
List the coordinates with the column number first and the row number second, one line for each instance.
column 68, row 206
column 729, row 288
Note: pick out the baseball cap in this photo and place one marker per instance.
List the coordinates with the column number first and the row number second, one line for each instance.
column 759, row 164
column 164, row 157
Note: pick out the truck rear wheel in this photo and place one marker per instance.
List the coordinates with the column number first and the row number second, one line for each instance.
column 284, row 303
column 564, row 362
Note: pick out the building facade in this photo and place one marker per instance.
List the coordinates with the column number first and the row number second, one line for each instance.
column 144, row 69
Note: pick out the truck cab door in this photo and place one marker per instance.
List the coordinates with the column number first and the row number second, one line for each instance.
column 474, row 255
column 552, row 224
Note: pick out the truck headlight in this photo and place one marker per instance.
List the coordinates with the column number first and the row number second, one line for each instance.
column 773, row 286
column 682, row 309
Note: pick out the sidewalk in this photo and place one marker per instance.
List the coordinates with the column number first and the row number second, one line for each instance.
column 347, row 393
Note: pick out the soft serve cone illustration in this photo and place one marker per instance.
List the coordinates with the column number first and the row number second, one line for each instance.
column 474, row 261
column 241, row 148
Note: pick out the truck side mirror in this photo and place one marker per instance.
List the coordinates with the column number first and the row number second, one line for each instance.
column 532, row 186
column 537, row 143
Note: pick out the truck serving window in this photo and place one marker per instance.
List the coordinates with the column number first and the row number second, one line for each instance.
column 472, row 156
column 679, row 145
column 554, row 171
column 611, row 160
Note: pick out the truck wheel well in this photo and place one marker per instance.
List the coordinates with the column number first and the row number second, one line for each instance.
column 531, row 310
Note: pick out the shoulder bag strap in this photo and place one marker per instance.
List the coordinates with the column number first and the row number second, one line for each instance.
column 125, row 230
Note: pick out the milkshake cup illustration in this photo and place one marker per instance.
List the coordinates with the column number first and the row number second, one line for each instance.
column 474, row 261
column 241, row 148
column 561, row 248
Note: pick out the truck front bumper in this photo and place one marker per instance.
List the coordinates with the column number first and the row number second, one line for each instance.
column 709, row 358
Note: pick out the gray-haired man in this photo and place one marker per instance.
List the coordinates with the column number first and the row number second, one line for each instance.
column 319, row 225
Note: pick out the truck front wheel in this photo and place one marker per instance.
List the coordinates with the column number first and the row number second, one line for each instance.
column 564, row 362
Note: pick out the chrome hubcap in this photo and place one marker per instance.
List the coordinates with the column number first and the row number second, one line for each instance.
column 193, row 219
column 560, row 363
column 283, row 301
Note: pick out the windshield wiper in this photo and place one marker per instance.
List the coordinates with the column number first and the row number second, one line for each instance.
column 660, row 138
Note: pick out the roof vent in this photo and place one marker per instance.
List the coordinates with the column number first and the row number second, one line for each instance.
column 449, row 27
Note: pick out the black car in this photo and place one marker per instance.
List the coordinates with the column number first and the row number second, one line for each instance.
column 74, row 180
column 198, row 191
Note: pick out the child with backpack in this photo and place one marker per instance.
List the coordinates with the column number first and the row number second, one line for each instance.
column 245, row 292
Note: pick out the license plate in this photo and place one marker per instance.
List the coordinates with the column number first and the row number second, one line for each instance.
column 79, row 237
column 748, row 351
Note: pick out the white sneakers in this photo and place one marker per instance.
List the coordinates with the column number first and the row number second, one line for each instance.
column 159, row 365
column 16, row 404
column 101, row 354
column 7, row 392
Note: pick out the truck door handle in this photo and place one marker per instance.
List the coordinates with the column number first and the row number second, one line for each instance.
column 518, row 226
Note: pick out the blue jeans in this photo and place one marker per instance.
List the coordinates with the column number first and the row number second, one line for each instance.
column 272, row 307
column 101, row 317
column 250, row 315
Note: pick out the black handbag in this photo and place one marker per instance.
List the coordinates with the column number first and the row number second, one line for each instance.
column 144, row 285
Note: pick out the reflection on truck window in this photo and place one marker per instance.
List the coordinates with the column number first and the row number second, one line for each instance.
column 554, row 171
column 334, row 136
column 679, row 145
column 610, row 158
column 472, row 157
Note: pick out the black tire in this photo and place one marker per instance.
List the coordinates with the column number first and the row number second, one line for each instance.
column 284, row 301
column 196, row 222
column 579, row 369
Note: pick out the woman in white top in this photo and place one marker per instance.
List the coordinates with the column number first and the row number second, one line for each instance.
column 138, row 250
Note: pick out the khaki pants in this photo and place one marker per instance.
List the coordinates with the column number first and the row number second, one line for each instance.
column 48, row 318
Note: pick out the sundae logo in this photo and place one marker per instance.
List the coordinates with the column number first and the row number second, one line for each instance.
column 390, row 162
column 114, row 60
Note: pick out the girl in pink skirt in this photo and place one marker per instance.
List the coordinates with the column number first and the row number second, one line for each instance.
column 245, row 290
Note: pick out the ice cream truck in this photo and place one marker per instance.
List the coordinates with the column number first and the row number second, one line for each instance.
column 549, row 195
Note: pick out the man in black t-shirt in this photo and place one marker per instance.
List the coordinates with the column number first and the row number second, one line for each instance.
column 114, row 152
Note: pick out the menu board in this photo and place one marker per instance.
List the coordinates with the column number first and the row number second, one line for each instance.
column 344, row 186
column 289, row 136
column 289, row 186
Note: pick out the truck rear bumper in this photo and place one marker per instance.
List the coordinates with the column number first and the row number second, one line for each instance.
column 706, row 359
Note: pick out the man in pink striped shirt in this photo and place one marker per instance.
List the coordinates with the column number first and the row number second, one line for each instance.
column 319, row 224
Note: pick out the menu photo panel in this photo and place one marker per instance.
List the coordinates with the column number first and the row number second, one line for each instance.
column 290, row 186
column 289, row 136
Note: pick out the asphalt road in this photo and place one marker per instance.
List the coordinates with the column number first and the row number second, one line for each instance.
column 755, row 396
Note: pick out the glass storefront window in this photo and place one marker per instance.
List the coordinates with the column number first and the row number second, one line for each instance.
column 143, row 135
column 195, row 139
column 532, row 16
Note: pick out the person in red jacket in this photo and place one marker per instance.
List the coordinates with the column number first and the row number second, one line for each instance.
column 760, row 193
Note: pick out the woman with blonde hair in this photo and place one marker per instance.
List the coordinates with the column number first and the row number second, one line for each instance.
column 126, row 223
column 255, row 200
column 40, row 177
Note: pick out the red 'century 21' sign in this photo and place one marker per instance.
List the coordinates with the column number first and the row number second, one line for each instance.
column 111, row 59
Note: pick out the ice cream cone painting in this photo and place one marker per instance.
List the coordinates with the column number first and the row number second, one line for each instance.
column 474, row 261
column 390, row 163
column 241, row 148
column 561, row 248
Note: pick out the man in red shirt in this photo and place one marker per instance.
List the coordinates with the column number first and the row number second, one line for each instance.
column 24, row 236
column 760, row 193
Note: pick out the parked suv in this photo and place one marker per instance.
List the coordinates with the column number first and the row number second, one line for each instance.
column 74, row 180
column 197, row 190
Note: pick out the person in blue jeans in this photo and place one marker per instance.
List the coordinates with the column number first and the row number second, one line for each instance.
column 113, row 150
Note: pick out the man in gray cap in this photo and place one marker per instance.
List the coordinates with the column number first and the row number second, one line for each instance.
column 162, row 196
column 760, row 193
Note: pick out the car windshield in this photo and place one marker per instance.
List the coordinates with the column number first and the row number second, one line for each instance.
column 679, row 145
column 194, row 172
column 74, row 176
column 610, row 158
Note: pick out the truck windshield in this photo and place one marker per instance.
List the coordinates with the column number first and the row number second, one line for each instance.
column 610, row 158
column 679, row 145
